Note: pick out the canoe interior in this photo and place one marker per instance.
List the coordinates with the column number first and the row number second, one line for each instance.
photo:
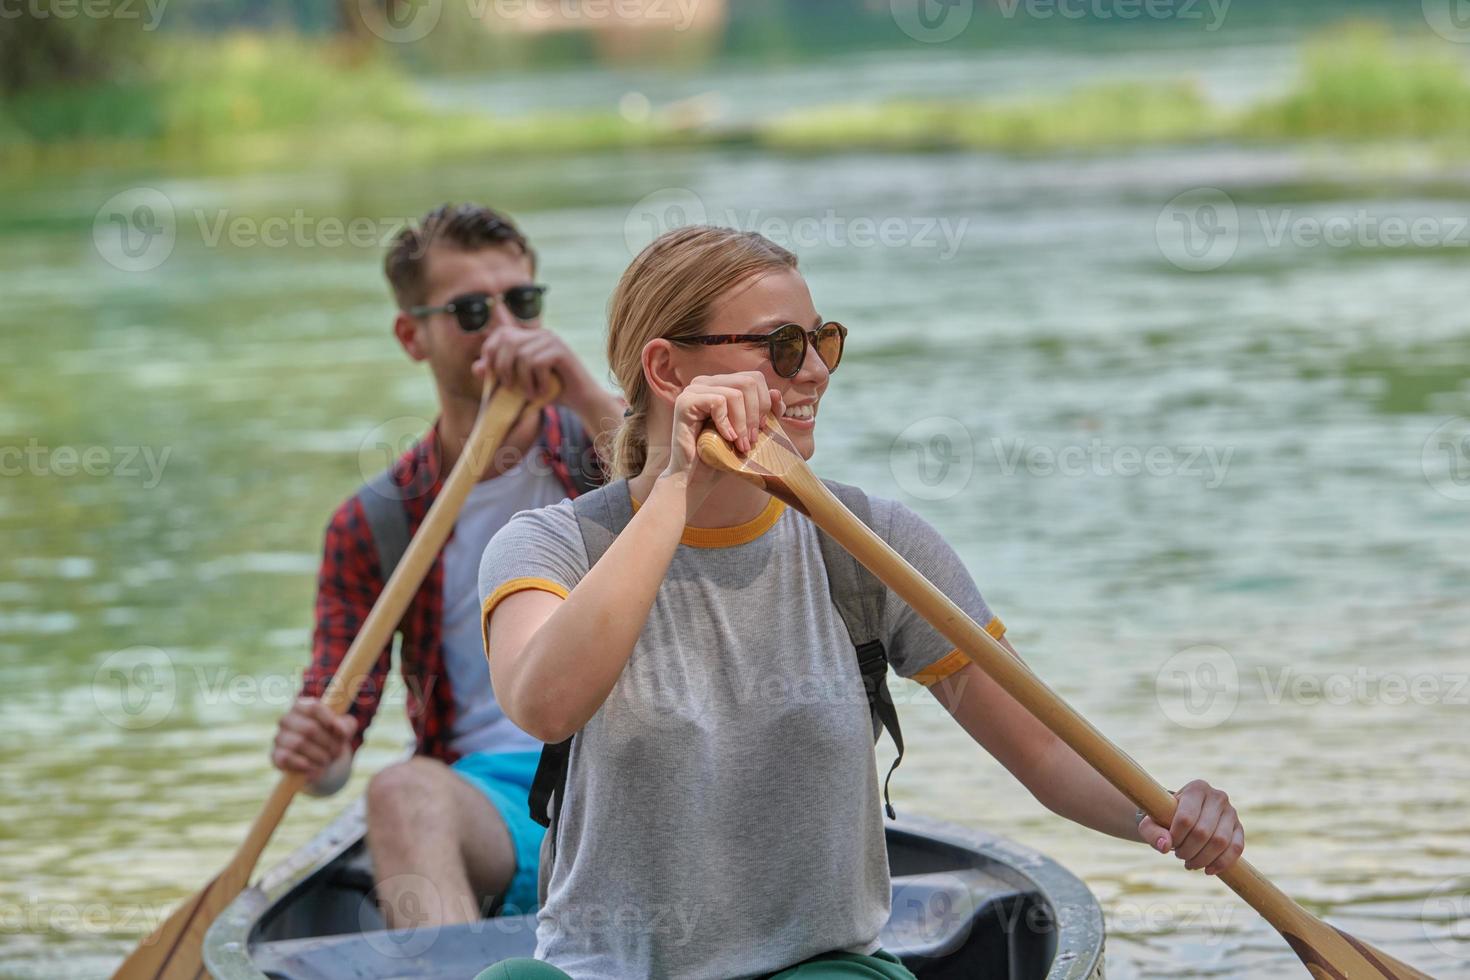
column 965, row 905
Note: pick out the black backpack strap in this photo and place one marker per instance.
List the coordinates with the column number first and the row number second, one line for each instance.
column 382, row 505
column 601, row 516
column 860, row 597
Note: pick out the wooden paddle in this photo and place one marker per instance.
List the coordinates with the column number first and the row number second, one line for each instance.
column 776, row 466
column 174, row 951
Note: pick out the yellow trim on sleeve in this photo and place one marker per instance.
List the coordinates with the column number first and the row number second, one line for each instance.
column 725, row 537
column 954, row 660
column 509, row 588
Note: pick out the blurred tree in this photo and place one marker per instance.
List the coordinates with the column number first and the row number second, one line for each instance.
column 38, row 48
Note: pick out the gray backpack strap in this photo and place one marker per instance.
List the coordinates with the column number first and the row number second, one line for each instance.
column 382, row 504
column 860, row 598
column 601, row 516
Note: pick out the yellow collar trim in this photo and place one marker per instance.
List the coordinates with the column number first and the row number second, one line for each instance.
column 726, row 537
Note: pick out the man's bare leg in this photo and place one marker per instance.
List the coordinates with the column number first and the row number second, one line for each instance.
column 439, row 846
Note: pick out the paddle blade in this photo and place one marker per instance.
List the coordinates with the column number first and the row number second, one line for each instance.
column 1331, row 954
column 174, row 951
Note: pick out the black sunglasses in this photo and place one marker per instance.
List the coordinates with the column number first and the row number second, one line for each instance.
column 786, row 344
column 472, row 310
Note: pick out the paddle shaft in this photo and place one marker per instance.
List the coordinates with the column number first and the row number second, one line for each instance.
column 174, row 951
column 1115, row 765
column 499, row 414
column 775, row 465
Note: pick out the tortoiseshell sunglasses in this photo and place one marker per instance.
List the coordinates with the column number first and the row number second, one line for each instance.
column 786, row 344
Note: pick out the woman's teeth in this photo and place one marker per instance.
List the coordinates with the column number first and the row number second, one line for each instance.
column 799, row 412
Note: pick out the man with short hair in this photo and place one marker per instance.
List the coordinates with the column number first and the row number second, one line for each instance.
column 449, row 829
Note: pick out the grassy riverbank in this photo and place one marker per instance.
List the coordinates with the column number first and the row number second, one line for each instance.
column 1355, row 84
column 252, row 100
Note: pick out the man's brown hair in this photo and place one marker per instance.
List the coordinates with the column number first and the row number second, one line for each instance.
column 467, row 227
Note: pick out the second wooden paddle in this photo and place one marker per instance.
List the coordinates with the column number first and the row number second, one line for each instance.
column 775, row 465
column 174, row 950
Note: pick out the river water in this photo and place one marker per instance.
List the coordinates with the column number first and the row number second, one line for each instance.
column 1208, row 457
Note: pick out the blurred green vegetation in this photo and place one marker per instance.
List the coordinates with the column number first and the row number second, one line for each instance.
column 260, row 99
column 1357, row 83
column 1102, row 115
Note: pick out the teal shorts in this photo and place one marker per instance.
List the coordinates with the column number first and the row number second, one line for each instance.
column 505, row 779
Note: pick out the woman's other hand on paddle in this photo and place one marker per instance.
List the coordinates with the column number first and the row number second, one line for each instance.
column 310, row 737
column 1205, row 833
column 736, row 403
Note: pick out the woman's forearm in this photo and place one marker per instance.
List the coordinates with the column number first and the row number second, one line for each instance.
column 570, row 664
column 1071, row 788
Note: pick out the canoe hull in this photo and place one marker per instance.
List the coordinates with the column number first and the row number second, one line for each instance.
column 965, row 904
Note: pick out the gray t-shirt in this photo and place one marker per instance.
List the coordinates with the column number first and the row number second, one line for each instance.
column 722, row 815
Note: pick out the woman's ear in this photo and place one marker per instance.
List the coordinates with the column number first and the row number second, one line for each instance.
column 662, row 371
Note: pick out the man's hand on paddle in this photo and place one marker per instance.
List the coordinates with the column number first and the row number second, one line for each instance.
column 1206, row 833
column 528, row 356
column 310, row 737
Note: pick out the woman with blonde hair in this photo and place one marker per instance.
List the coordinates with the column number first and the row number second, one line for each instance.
column 718, row 820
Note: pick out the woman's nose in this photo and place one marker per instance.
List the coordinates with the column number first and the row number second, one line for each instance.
column 813, row 368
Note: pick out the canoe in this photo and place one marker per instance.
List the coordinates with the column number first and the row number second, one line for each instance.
column 966, row 904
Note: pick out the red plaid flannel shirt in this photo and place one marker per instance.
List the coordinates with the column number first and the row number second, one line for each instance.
column 349, row 583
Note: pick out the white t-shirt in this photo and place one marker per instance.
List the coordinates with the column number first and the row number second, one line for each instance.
column 479, row 724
